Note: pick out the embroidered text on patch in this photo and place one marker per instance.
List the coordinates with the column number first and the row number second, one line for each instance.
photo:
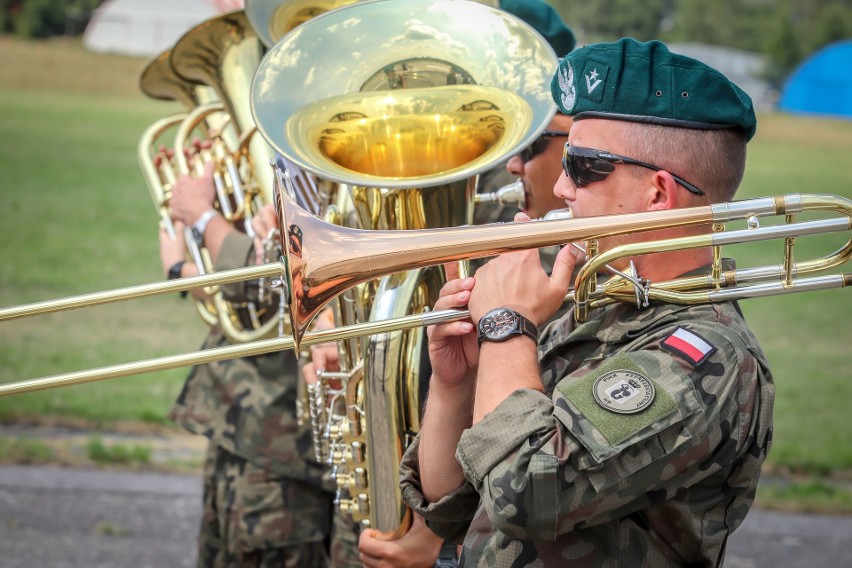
column 688, row 345
column 623, row 391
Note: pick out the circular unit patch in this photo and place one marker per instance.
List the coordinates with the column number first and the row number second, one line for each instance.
column 624, row 392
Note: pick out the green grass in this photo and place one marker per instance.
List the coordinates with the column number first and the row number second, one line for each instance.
column 120, row 454
column 805, row 336
column 76, row 217
column 814, row 495
column 24, row 451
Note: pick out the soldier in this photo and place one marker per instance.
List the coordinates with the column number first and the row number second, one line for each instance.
column 266, row 502
column 635, row 438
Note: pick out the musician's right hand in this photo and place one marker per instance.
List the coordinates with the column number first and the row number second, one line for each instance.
column 193, row 195
column 453, row 347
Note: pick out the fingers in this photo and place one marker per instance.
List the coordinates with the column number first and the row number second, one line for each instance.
column 370, row 549
column 455, row 293
column 563, row 267
column 326, row 357
column 309, row 371
column 265, row 221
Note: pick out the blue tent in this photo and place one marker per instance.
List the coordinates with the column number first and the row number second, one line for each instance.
column 822, row 84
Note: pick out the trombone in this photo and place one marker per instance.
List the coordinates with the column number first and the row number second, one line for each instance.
column 322, row 260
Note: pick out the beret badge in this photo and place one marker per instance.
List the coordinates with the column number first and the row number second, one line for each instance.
column 567, row 88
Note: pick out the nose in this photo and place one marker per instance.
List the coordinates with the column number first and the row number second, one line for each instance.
column 564, row 188
column 515, row 165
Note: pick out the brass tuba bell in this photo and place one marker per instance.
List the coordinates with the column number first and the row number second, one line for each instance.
column 405, row 102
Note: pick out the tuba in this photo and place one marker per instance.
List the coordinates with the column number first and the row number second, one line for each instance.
column 406, row 108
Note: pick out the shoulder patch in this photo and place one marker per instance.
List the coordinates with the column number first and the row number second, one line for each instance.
column 688, row 345
column 623, row 391
column 649, row 401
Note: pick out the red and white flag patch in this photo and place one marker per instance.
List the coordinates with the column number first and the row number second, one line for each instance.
column 688, row 345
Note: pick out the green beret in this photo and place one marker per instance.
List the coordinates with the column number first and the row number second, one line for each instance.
column 545, row 20
column 645, row 82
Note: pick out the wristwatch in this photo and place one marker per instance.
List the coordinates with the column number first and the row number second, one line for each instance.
column 200, row 225
column 175, row 273
column 175, row 270
column 502, row 323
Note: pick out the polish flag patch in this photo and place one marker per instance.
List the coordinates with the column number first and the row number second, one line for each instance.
column 688, row 345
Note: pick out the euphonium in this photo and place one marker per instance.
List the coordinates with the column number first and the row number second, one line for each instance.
column 406, row 107
column 156, row 154
column 222, row 53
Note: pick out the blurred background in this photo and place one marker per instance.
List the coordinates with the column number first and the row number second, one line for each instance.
column 76, row 217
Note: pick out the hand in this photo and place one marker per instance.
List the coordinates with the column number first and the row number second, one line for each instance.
column 263, row 223
column 419, row 547
column 324, row 357
column 453, row 348
column 172, row 250
column 192, row 196
column 518, row 281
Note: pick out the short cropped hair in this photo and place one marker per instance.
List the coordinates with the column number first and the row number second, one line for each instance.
column 713, row 160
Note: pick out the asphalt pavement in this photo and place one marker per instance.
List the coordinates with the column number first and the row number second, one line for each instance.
column 70, row 518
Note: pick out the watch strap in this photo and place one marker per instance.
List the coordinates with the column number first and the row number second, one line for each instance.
column 200, row 225
column 527, row 328
column 175, row 272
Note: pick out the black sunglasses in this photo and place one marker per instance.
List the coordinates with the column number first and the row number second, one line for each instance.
column 586, row 165
column 539, row 145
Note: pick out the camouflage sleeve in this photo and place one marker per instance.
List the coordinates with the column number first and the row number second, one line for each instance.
column 544, row 466
column 450, row 517
column 237, row 251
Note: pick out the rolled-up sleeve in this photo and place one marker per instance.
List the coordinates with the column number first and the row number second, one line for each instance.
column 449, row 517
column 237, row 252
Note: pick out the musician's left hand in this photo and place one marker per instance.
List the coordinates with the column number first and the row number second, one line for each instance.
column 419, row 547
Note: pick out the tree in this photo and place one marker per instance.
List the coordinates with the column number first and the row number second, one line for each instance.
column 45, row 18
column 611, row 20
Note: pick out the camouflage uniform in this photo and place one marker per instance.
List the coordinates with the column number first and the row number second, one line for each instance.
column 556, row 479
column 265, row 502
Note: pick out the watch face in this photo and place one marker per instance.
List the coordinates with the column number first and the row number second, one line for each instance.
column 498, row 324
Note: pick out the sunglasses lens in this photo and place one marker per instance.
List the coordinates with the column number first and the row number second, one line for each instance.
column 538, row 146
column 584, row 170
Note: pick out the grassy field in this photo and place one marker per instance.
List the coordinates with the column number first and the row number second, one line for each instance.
column 76, row 217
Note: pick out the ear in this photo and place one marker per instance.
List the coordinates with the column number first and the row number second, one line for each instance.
column 663, row 192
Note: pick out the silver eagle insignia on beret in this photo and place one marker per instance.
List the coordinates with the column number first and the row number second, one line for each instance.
column 568, row 91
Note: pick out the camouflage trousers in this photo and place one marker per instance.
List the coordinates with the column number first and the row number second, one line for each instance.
column 344, row 543
column 256, row 518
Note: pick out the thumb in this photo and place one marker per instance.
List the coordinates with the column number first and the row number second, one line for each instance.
column 563, row 267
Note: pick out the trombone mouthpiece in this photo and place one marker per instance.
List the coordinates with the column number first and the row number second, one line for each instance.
column 558, row 214
column 511, row 195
